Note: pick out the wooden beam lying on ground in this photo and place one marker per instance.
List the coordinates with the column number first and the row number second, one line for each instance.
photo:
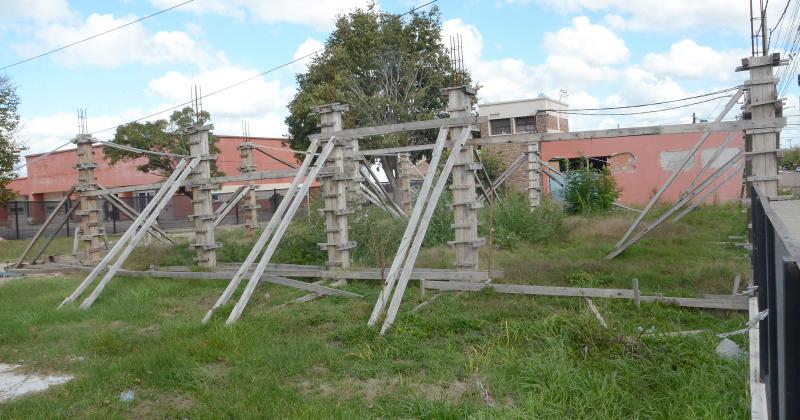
column 321, row 272
column 738, row 303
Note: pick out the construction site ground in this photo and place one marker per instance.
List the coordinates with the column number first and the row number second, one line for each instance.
column 141, row 351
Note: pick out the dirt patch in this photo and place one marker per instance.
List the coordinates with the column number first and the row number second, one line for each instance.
column 150, row 331
column 372, row 388
column 117, row 325
column 162, row 405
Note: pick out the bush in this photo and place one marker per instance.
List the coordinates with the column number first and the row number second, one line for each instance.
column 440, row 228
column 377, row 234
column 514, row 222
column 589, row 191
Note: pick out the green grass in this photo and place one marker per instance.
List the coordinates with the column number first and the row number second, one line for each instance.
column 538, row 357
column 10, row 250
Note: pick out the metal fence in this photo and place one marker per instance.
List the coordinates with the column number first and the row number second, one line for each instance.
column 25, row 218
column 776, row 273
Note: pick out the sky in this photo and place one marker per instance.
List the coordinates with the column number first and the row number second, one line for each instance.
column 589, row 53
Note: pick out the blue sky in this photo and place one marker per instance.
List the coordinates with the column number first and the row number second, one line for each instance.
column 602, row 52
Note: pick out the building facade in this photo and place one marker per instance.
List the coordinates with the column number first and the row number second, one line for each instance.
column 640, row 164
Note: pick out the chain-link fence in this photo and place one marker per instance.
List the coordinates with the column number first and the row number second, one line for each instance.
column 22, row 219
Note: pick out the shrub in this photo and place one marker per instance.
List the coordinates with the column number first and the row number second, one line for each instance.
column 514, row 222
column 589, row 191
column 440, row 227
column 377, row 234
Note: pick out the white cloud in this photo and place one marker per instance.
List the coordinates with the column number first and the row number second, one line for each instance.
column 688, row 59
column 134, row 44
column 320, row 14
column 595, row 44
column 39, row 10
column 309, row 46
column 660, row 15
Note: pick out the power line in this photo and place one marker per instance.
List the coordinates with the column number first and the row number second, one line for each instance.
column 652, row 111
column 653, row 103
column 231, row 86
column 777, row 24
column 412, row 10
column 95, row 35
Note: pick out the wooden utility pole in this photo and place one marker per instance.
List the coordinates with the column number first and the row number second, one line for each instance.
column 534, row 175
column 204, row 243
column 465, row 201
column 89, row 213
column 761, row 145
column 403, row 193
column 335, row 178
column 251, row 205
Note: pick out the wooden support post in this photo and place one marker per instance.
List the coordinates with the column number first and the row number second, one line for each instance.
column 251, row 205
column 403, row 193
column 335, row 178
column 44, row 226
column 534, row 174
column 203, row 216
column 761, row 146
column 465, row 201
column 90, row 221
column 636, row 293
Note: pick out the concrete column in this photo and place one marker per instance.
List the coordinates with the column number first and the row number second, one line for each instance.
column 89, row 213
column 534, row 175
column 251, row 205
column 403, row 193
column 761, row 146
column 465, row 201
column 335, row 177
column 205, row 244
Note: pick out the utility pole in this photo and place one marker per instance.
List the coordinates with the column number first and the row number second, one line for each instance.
column 465, row 202
column 335, row 178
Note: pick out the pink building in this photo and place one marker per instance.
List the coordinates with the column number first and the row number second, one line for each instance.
column 51, row 177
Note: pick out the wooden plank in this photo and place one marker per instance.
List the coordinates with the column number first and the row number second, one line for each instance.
column 55, row 232
column 636, row 293
column 273, row 243
column 689, row 158
column 408, row 234
column 132, row 214
column 401, row 127
column 419, row 234
column 758, row 396
column 227, row 202
column 250, row 176
column 395, row 150
column 702, row 198
column 417, row 274
column 688, row 197
column 179, row 170
column 41, row 230
column 231, row 205
column 737, row 303
column 374, row 177
column 266, row 233
column 738, row 125
column 593, row 309
column 145, row 226
column 736, row 282
column 316, row 288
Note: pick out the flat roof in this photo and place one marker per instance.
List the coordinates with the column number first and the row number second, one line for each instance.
column 539, row 98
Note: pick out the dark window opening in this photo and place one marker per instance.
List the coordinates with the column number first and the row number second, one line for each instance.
column 500, row 126
column 572, row 164
column 525, row 124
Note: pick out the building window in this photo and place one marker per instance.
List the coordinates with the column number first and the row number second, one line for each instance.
column 572, row 164
column 500, row 126
column 525, row 124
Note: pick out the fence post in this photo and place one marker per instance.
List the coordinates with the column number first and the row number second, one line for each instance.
column 16, row 217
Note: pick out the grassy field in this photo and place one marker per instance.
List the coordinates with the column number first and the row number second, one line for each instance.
column 536, row 357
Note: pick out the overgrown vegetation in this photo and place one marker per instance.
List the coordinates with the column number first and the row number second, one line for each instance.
column 790, row 158
column 10, row 147
column 535, row 356
column 587, row 190
column 515, row 223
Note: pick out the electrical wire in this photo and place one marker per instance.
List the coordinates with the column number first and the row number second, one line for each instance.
column 652, row 111
column 652, row 103
column 778, row 24
column 137, row 150
column 241, row 82
column 94, row 36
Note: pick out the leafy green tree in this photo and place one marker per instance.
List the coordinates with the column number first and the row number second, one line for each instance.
column 387, row 68
column 159, row 136
column 10, row 148
column 791, row 158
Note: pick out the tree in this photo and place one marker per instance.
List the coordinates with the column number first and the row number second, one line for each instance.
column 10, row 148
column 388, row 69
column 159, row 136
column 791, row 158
